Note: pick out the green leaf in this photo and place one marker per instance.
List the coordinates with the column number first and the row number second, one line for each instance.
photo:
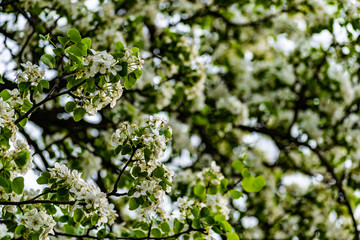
column 94, row 219
column 20, row 229
column 225, row 226
column 27, row 105
column 205, row 211
column 147, row 154
column 245, row 173
column 135, row 51
column 137, row 73
column 69, row 229
column 133, row 203
column 165, row 227
column 5, row 184
column 223, row 185
column 87, row 42
column 167, row 133
column 23, row 122
column 232, row 236
column 235, row 194
column 118, row 149
column 253, row 184
column 45, row 84
column 70, row 106
column 74, row 35
column 144, row 226
column 17, row 185
column 119, row 46
column 195, row 211
column 139, row 234
column 22, row 158
column 64, row 218
column 213, row 189
column 42, row 180
column 78, row 215
column 129, row 82
column 74, row 50
column 199, row 190
column 209, row 220
column 135, row 171
column 39, row 88
column 124, row 69
column 24, row 85
column 156, row 232
column 50, row 209
column 5, row 95
column 58, row 51
column 220, row 217
column 83, row 48
column 63, row 40
column 127, row 149
column 237, row 165
column 159, row 172
column 79, row 113
column 1, row 80
column 132, row 79
column 90, row 85
column 48, row 60
column 178, row 226
column 63, row 191
column 46, row 174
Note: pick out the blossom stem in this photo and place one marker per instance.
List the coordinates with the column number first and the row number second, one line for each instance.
column 232, row 187
column 48, row 98
column 113, row 192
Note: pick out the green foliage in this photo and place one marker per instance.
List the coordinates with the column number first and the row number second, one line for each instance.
column 235, row 194
column 70, row 106
column 5, row 183
column 17, row 185
column 74, row 35
column 5, row 95
column 22, row 158
column 165, row 227
column 134, row 203
column 253, row 184
column 159, row 172
column 237, row 165
column 78, row 215
column 48, row 60
column 79, row 113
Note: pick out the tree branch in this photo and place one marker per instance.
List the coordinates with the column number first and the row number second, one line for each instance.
column 113, row 192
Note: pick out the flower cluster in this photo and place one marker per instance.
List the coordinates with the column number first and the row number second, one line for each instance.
column 108, row 88
column 17, row 160
column 7, row 114
column 152, row 136
column 100, row 62
column 4, row 231
column 152, row 178
column 154, row 185
column 133, row 61
column 31, row 74
column 93, row 102
column 81, row 191
column 38, row 219
column 210, row 176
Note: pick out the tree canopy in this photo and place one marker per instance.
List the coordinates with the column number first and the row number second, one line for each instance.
column 190, row 119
